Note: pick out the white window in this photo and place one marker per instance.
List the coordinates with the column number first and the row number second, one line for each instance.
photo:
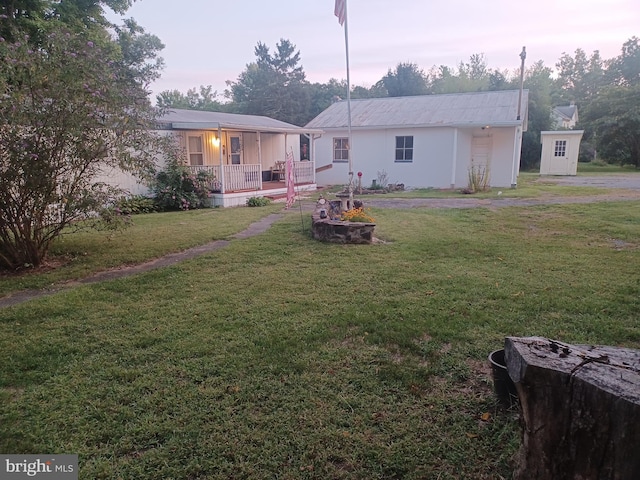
column 404, row 149
column 341, row 149
column 560, row 148
column 195, row 149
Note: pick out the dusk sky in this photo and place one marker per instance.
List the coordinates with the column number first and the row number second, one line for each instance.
column 208, row 41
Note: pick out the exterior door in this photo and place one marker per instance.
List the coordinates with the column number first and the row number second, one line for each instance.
column 235, row 150
column 481, row 153
column 560, row 158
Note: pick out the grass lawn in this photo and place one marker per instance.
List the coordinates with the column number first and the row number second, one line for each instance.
column 282, row 357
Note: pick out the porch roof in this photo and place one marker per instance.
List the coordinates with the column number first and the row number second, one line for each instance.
column 180, row 119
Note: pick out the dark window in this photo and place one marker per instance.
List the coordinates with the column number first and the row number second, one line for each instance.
column 404, row 149
column 340, row 149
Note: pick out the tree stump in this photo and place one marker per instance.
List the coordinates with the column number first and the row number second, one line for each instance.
column 580, row 409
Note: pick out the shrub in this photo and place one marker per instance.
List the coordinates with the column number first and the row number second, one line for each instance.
column 258, row 202
column 177, row 188
column 135, row 205
column 478, row 179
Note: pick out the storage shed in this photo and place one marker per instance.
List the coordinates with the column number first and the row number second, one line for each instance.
column 560, row 152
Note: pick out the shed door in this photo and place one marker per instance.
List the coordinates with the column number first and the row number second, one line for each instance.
column 481, row 153
column 559, row 164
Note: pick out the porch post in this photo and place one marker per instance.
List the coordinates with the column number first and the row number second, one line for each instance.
column 455, row 158
column 260, row 157
column 517, row 145
column 286, row 177
column 221, row 164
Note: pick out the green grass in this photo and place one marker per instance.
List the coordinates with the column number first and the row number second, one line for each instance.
column 591, row 168
column 282, row 357
column 77, row 254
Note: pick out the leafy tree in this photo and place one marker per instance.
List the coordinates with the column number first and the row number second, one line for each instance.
column 274, row 85
column 538, row 80
column 580, row 78
column 473, row 76
column 625, row 69
column 324, row 94
column 614, row 119
column 70, row 108
column 36, row 17
column 204, row 99
column 407, row 79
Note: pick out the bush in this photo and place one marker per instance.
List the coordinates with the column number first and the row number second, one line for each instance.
column 258, row 202
column 176, row 188
column 135, row 205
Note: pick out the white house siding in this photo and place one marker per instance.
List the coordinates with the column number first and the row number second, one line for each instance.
column 127, row 182
column 433, row 164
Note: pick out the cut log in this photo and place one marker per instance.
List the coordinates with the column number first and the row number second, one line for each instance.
column 580, row 409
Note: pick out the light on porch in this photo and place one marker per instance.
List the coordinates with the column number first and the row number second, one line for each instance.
column 215, row 141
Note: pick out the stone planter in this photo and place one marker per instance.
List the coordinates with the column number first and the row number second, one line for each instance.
column 326, row 229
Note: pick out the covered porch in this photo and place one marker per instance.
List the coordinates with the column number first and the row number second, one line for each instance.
column 244, row 154
column 232, row 185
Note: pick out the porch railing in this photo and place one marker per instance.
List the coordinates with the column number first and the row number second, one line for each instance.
column 304, row 172
column 249, row 176
column 213, row 171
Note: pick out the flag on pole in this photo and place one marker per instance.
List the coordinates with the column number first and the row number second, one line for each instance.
column 340, row 10
column 291, row 196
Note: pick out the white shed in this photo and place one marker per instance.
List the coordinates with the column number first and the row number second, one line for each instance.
column 560, row 152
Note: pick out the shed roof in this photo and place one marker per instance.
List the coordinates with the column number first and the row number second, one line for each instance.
column 181, row 119
column 496, row 108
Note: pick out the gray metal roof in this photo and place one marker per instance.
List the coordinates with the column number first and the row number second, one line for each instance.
column 567, row 111
column 180, row 119
column 496, row 108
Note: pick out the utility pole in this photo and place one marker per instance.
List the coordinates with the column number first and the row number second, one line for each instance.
column 523, row 55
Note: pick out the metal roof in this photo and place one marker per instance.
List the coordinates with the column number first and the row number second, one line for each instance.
column 181, row 119
column 567, row 111
column 495, row 108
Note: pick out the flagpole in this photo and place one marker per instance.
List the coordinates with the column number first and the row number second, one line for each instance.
column 341, row 12
column 346, row 44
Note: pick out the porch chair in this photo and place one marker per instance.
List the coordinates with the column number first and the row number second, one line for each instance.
column 277, row 171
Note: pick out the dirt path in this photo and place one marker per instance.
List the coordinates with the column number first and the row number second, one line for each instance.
column 631, row 192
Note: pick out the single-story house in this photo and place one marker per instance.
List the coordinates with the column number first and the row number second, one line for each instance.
column 560, row 150
column 244, row 153
column 426, row 141
column 565, row 116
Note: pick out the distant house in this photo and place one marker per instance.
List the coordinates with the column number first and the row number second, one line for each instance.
column 424, row 141
column 244, row 153
column 560, row 150
column 565, row 117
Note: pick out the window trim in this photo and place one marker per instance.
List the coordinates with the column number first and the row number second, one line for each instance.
column 560, row 148
column 344, row 149
column 192, row 152
column 404, row 150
